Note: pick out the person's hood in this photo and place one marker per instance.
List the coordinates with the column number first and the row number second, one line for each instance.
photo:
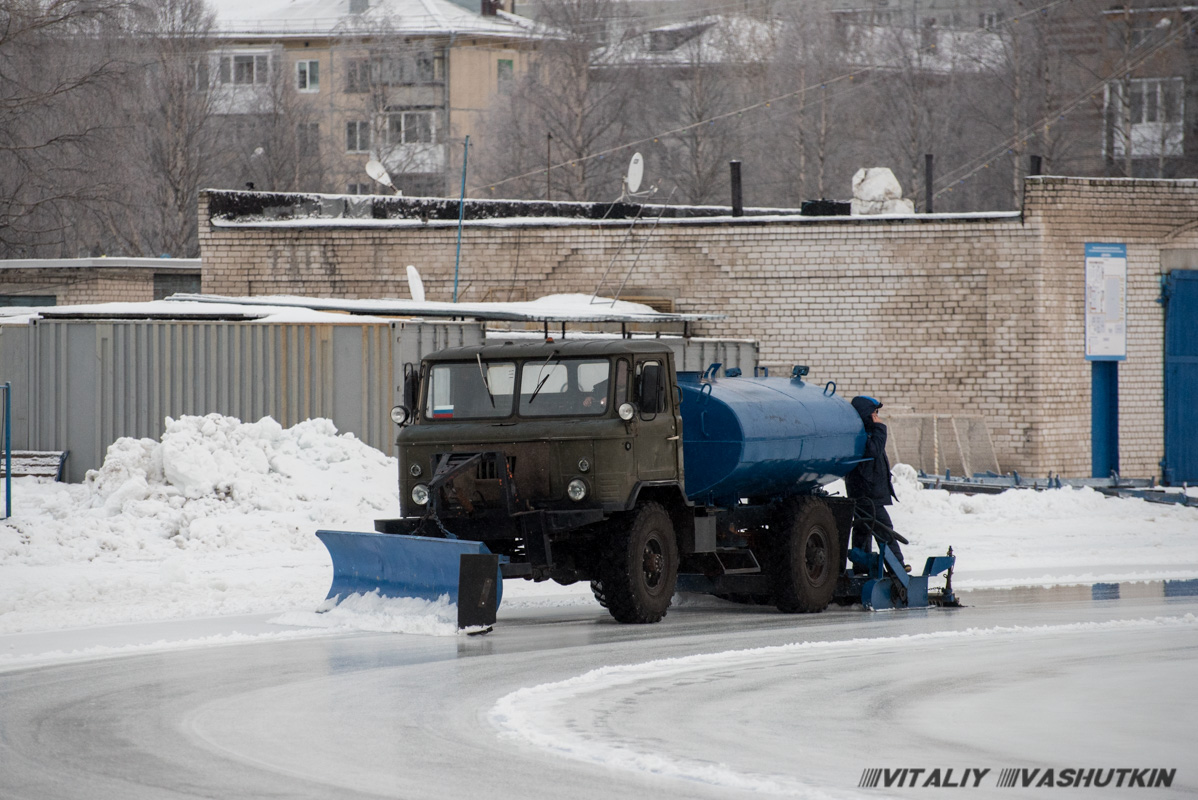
column 865, row 406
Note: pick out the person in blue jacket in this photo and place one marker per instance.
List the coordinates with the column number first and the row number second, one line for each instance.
column 869, row 483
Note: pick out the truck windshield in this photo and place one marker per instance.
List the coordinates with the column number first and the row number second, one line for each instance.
column 470, row 390
column 564, row 387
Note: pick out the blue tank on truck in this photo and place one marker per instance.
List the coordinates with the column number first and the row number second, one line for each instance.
column 762, row 437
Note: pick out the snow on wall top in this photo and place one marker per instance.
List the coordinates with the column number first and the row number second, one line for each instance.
column 266, row 18
column 233, row 209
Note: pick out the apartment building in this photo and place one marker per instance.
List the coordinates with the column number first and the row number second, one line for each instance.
column 402, row 82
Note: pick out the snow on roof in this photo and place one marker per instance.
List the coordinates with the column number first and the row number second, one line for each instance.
column 553, row 308
column 715, row 39
column 314, row 310
column 738, row 39
column 889, row 47
column 176, row 310
column 268, row 18
column 104, row 262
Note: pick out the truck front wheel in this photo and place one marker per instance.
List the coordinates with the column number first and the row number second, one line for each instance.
column 805, row 558
column 640, row 567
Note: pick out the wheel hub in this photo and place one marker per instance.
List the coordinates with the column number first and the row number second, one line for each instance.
column 653, row 562
column 815, row 555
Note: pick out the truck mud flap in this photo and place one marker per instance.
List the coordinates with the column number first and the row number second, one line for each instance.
column 416, row 566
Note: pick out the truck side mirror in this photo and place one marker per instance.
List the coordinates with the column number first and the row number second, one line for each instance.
column 650, row 397
column 406, row 411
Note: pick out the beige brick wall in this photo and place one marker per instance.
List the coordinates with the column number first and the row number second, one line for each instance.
column 72, row 286
column 974, row 315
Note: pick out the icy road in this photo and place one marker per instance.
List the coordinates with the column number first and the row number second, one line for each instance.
column 718, row 701
column 158, row 641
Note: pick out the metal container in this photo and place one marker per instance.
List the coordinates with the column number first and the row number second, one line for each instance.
column 79, row 385
column 757, row 437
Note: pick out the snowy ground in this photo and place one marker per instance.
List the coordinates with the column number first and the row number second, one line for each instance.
column 217, row 519
column 178, row 552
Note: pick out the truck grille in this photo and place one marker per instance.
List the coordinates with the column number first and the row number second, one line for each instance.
column 487, row 469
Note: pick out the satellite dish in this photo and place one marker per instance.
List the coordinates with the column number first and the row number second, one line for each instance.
column 415, row 285
column 377, row 172
column 636, row 171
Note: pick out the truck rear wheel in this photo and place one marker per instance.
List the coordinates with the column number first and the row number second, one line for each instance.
column 804, row 563
column 640, row 567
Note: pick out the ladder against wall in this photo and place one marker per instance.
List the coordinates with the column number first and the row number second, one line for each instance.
column 933, row 444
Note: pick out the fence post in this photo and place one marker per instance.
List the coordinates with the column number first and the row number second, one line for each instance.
column 7, row 451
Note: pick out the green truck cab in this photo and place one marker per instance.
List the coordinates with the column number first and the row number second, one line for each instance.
column 565, row 458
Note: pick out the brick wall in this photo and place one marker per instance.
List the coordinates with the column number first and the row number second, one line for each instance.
column 90, row 280
column 949, row 315
column 73, row 286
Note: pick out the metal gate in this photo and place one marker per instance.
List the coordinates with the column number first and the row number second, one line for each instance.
column 1181, row 378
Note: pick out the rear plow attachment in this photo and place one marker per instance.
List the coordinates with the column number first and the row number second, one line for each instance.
column 428, row 568
column 880, row 580
column 887, row 584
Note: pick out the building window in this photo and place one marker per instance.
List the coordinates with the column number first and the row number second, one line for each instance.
column 357, row 76
column 410, row 127
column 199, row 73
column 927, row 34
column 1155, row 108
column 504, row 71
column 307, row 138
column 8, row 300
column 357, row 137
column 425, row 69
column 245, row 70
column 358, row 188
column 307, row 75
column 166, row 284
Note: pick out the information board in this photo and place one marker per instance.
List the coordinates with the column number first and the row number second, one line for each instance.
column 1106, row 301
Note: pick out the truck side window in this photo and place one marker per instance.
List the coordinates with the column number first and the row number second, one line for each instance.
column 650, row 386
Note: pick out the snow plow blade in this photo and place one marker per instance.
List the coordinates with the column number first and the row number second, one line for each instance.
column 422, row 567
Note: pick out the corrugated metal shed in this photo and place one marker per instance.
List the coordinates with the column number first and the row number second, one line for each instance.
column 80, row 383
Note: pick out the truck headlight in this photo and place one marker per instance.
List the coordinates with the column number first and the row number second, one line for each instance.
column 577, row 489
column 626, row 411
column 400, row 415
column 420, row 494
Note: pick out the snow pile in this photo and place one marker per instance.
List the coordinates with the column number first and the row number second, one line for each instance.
column 1060, row 536
column 877, row 191
column 213, row 519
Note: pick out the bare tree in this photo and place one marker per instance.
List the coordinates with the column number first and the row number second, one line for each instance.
column 816, row 119
column 277, row 143
column 61, row 69
column 169, row 145
column 694, row 94
column 573, row 104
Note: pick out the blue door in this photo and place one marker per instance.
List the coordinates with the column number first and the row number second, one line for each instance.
column 1181, row 378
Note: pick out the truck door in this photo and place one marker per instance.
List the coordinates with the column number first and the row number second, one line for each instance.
column 615, row 459
column 657, row 441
